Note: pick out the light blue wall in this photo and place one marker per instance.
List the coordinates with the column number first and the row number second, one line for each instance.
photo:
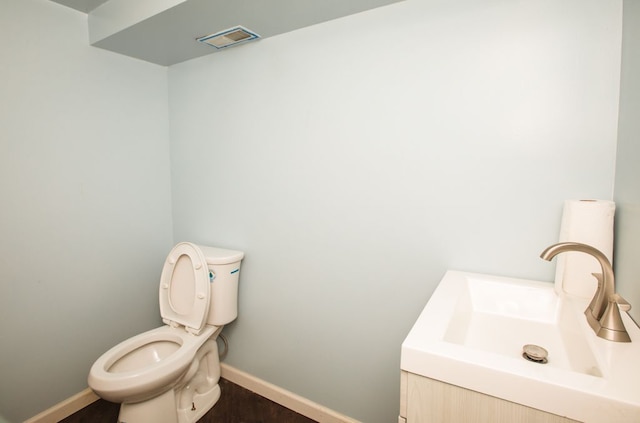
column 357, row 160
column 627, row 188
column 85, row 221
column 353, row 161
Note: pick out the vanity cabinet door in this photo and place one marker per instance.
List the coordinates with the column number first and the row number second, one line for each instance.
column 432, row 401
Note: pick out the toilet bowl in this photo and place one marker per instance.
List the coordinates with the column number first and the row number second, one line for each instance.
column 170, row 374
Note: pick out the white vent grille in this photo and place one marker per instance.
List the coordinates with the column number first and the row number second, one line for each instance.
column 229, row 37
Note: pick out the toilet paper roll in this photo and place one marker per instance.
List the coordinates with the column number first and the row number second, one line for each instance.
column 589, row 222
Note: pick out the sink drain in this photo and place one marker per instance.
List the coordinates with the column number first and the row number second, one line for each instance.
column 535, row 353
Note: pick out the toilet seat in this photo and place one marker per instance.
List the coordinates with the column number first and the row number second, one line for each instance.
column 184, row 288
column 152, row 375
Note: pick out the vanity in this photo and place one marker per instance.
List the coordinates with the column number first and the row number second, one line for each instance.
column 464, row 360
column 429, row 400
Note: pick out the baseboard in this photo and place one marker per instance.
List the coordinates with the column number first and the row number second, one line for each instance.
column 283, row 397
column 65, row 408
column 263, row 388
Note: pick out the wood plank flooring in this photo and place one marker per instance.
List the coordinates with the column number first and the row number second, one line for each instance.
column 236, row 405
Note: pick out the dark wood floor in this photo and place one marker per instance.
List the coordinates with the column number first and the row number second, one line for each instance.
column 236, row 405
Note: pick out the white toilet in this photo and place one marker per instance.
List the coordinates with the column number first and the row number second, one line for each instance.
column 170, row 374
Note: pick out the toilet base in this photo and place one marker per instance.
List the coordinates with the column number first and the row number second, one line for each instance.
column 201, row 404
column 160, row 409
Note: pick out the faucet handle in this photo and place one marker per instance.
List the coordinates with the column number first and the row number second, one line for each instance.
column 622, row 303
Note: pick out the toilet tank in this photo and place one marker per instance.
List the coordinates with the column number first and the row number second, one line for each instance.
column 224, row 271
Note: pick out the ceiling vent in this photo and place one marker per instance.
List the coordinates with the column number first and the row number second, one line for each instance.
column 229, row 37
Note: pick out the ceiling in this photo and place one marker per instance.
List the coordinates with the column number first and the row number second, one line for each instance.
column 165, row 31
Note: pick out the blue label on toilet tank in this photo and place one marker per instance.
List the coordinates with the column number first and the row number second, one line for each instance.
column 235, row 271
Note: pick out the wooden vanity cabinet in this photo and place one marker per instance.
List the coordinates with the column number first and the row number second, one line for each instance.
column 425, row 400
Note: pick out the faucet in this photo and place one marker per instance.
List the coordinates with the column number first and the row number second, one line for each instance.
column 603, row 313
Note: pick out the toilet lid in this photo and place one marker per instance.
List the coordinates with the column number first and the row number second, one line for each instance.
column 184, row 288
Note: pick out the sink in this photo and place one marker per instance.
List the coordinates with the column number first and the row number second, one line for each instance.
column 501, row 317
column 472, row 332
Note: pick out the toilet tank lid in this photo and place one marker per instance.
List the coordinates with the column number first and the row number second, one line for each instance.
column 216, row 255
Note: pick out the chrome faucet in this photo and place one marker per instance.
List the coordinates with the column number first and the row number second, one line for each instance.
column 603, row 313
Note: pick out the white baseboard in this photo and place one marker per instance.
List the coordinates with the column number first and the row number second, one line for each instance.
column 65, row 408
column 263, row 388
column 283, row 397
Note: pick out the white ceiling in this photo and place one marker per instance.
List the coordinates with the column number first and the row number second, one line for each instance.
column 168, row 37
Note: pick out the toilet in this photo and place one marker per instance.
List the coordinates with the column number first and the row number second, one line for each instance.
column 170, row 374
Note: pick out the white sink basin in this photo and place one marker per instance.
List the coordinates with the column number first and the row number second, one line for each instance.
column 472, row 331
column 499, row 317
